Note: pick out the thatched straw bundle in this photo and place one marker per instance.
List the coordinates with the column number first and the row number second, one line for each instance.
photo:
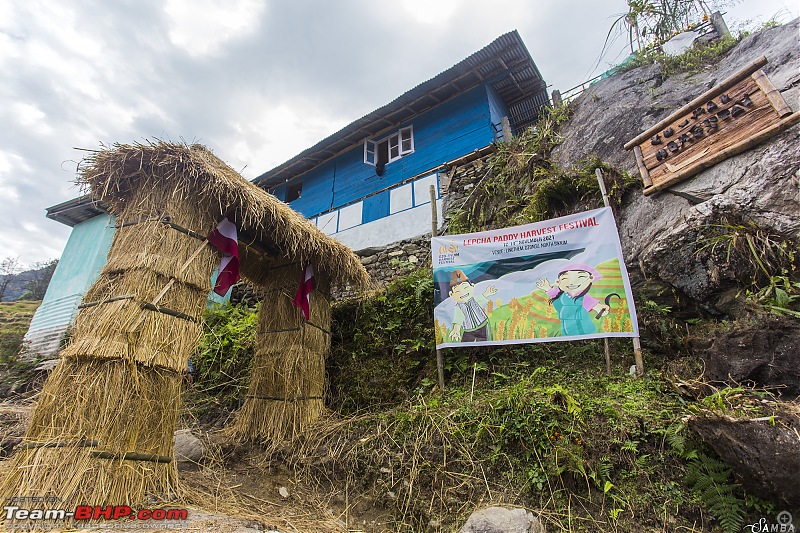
column 103, row 430
column 193, row 172
column 288, row 377
column 92, row 413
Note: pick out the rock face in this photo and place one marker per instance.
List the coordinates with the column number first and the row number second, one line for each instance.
column 502, row 520
column 660, row 232
column 765, row 458
column 763, row 353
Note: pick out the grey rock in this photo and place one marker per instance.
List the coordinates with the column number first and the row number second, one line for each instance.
column 762, row 353
column 188, row 448
column 502, row 520
column 364, row 252
column 369, row 260
column 764, row 457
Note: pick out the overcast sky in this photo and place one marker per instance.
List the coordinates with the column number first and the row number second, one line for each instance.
column 256, row 81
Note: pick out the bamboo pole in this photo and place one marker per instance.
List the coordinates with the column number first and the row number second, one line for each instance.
column 434, row 231
column 602, row 183
column 773, row 94
column 637, row 347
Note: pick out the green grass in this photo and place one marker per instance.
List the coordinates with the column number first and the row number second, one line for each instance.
column 546, row 429
column 15, row 317
column 692, row 61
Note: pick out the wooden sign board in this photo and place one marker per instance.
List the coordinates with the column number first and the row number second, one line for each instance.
column 739, row 113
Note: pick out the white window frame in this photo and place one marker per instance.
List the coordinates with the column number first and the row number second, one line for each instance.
column 370, row 151
column 394, row 144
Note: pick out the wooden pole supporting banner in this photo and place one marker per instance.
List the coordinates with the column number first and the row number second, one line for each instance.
column 637, row 356
column 637, row 347
column 602, row 183
column 434, row 231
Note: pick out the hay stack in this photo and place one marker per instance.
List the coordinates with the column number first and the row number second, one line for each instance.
column 102, row 432
column 288, row 377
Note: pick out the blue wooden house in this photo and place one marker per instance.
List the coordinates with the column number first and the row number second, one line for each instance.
column 368, row 184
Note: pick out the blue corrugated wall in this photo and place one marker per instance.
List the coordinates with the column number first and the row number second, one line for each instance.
column 455, row 128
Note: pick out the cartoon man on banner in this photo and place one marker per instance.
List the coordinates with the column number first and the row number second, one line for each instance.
column 571, row 299
column 470, row 320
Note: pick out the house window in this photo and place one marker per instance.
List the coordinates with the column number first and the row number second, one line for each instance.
column 294, row 191
column 388, row 149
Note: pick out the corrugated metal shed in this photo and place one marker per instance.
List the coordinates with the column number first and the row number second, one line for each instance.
column 505, row 64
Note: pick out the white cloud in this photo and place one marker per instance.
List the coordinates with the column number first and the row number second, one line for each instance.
column 203, row 27
column 428, row 12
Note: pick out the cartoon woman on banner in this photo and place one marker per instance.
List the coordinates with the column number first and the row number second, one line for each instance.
column 571, row 299
column 470, row 319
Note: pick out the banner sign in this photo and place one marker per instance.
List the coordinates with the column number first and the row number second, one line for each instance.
column 561, row 279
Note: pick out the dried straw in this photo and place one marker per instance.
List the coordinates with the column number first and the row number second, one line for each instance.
column 123, row 407
column 288, row 378
column 116, row 389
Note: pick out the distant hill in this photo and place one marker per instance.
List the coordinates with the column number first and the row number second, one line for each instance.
column 16, row 288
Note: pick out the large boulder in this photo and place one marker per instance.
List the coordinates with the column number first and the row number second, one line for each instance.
column 502, row 520
column 765, row 458
column 761, row 352
column 660, row 232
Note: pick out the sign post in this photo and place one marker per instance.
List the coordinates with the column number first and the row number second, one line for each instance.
column 434, row 231
column 637, row 347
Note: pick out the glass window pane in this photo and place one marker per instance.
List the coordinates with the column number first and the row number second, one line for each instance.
column 406, row 144
column 369, row 152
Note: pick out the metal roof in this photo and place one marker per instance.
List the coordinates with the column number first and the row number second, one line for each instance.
column 505, row 63
column 77, row 210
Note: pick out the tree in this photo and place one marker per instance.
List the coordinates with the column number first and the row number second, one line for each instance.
column 8, row 267
column 37, row 286
column 655, row 21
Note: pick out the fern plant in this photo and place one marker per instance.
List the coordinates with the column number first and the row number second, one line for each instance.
column 710, row 482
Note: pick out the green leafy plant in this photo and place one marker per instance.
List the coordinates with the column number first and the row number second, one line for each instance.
column 223, row 359
column 649, row 23
column 710, row 481
column 524, row 185
column 766, row 263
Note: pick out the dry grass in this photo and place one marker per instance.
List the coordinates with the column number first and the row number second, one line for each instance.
column 288, row 378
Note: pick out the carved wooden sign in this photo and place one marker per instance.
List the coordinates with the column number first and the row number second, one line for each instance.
column 739, row 113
